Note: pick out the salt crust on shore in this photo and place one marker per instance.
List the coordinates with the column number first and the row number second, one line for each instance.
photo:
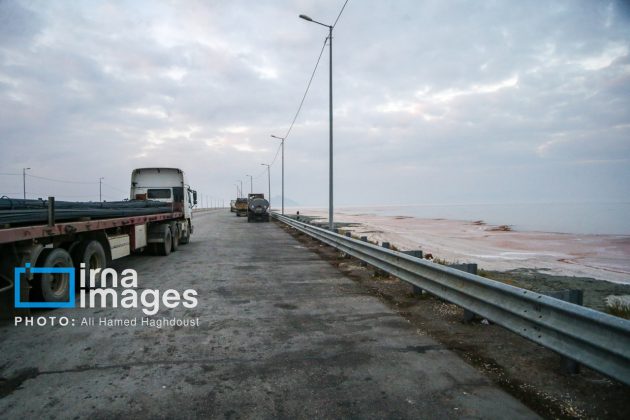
column 603, row 257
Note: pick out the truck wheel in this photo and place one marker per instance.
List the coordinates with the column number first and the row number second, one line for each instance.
column 165, row 248
column 54, row 287
column 175, row 238
column 92, row 254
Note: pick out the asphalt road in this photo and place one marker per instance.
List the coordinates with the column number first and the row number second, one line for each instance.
column 282, row 334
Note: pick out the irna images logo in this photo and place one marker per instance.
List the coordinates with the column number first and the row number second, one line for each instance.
column 102, row 289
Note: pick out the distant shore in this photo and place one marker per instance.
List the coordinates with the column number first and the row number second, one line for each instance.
column 536, row 260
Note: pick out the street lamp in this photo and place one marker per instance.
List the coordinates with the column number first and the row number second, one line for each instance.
column 268, row 182
column 24, row 180
column 100, row 189
column 282, row 146
column 251, row 184
column 240, row 194
column 330, row 117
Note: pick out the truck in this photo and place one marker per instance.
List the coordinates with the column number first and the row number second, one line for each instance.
column 233, row 206
column 240, row 207
column 157, row 217
column 257, row 208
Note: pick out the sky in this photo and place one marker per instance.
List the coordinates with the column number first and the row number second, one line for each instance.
column 435, row 101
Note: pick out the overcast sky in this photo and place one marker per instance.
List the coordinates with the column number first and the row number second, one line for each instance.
column 434, row 101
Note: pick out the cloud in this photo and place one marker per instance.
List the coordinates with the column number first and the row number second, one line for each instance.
column 431, row 98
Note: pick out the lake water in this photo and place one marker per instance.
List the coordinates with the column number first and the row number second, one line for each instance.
column 589, row 218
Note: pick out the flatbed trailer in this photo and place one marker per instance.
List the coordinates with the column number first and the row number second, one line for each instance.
column 92, row 241
column 45, row 231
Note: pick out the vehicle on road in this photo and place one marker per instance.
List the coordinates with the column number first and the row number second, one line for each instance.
column 257, row 208
column 157, row 217
column 233, row 206
column 240, row 207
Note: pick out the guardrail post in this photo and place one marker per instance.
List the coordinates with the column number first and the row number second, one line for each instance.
column 362, row 263
column 418, row 254
column 347, row 235
column 378, row 271
column 576, row 296
column 472, row 269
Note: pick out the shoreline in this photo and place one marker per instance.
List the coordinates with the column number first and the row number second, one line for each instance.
column 597, row 264
column 495, row 247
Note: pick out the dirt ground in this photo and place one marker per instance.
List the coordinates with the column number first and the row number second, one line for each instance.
column 526, row 370
column 595, row 291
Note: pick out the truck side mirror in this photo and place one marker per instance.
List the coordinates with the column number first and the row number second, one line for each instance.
column 195, row 197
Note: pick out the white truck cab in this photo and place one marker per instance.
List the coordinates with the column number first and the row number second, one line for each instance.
column 169, row 186
column 163, row 184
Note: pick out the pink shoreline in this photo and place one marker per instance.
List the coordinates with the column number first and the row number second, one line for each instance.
column 603, row 257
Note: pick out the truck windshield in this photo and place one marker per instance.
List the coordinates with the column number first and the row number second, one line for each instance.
column 159, row 193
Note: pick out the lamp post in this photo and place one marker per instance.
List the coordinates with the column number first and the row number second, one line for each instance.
column 24, row 180
column 282, row 147
column 268, row 182
column 100, row 189
column 251, row 184
column 330, row 117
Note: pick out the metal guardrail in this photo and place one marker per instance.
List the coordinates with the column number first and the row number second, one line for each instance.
column 594, row 339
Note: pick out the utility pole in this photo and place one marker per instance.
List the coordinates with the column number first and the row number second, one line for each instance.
column 24, row 180
column 268, row 182
column 100, row 189
column 251, row 184
column 330, row 119
column 282, row 147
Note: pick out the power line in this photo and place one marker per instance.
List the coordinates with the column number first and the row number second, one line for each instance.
column 340, row 12
column 61, row 180
column 308, row 86
column 310, row 81
column 261, row 173
column 276, row 155
column 114, row 188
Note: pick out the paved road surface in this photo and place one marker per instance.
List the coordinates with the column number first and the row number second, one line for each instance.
column 282, row 335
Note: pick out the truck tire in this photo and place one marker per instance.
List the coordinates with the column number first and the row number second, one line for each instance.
column 174, row 237
column 92, row 254
column 165, row 248
column 53, row 287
